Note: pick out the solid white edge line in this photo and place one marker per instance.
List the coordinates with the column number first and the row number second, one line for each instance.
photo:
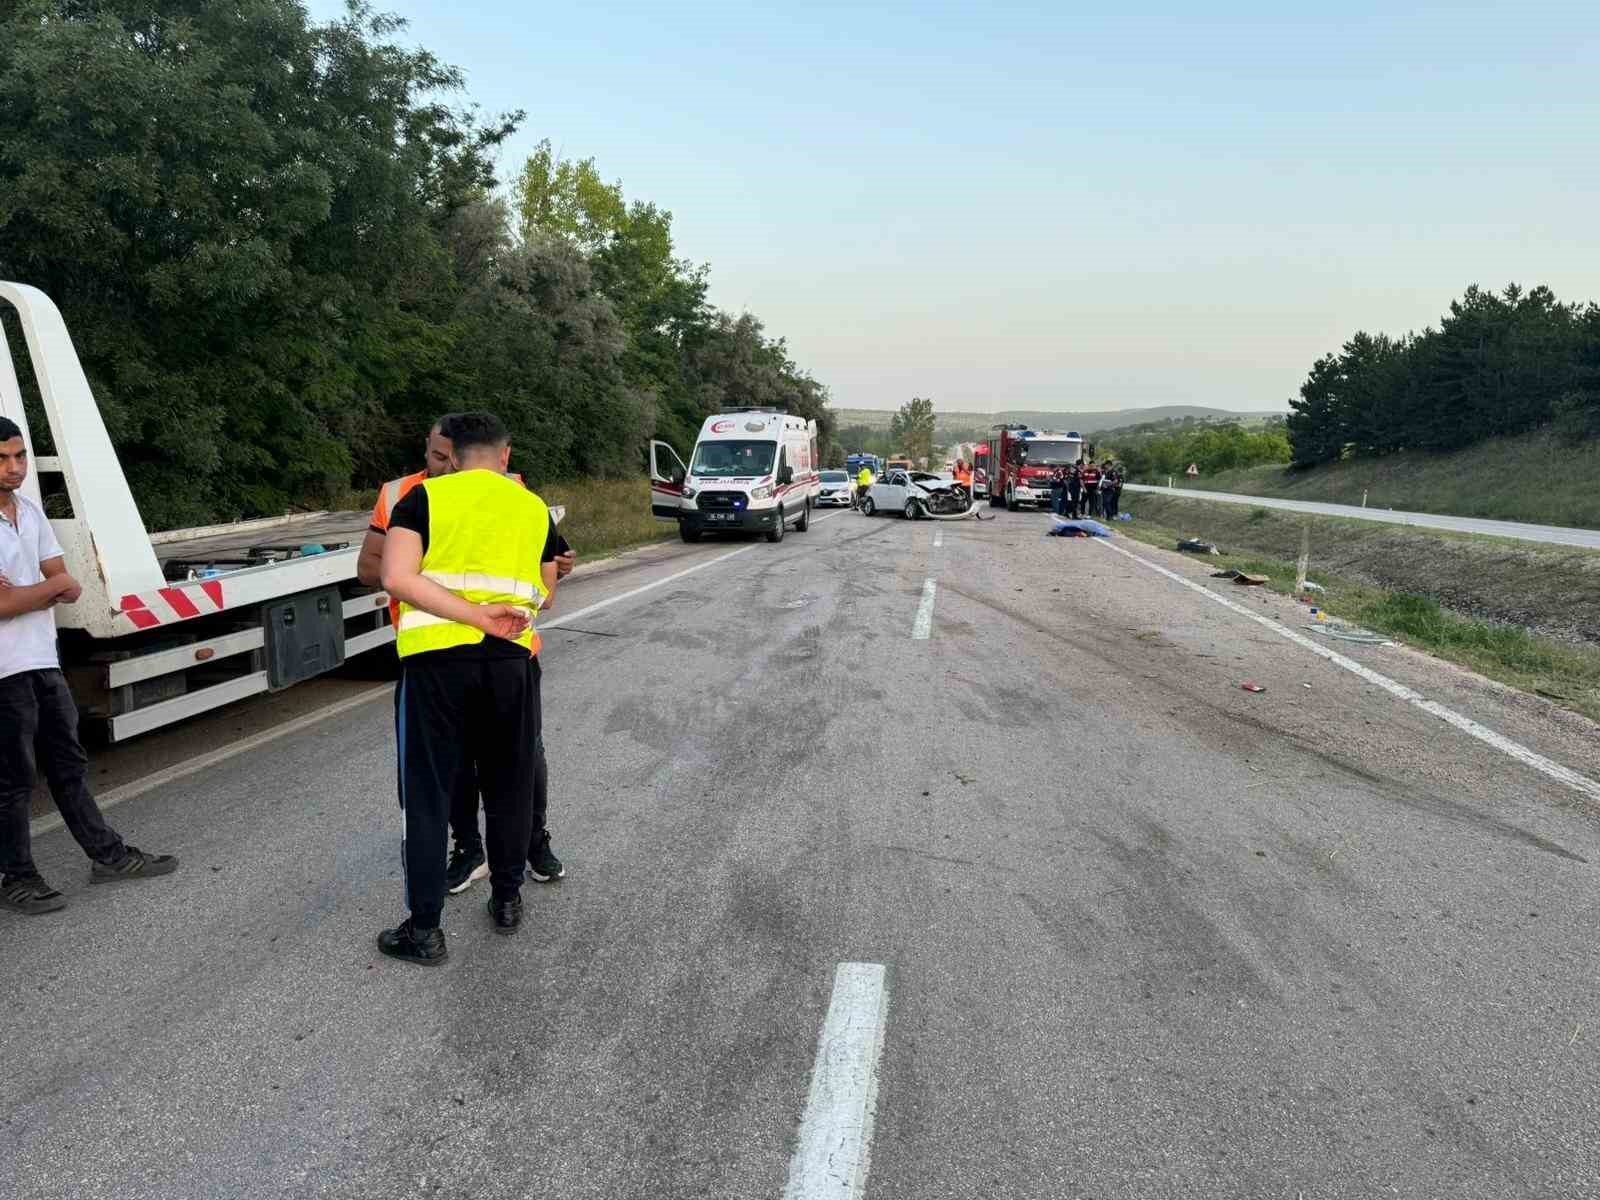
column 189, row 766
column 1581, row 784
column 557, row 622
column 834, row 1151
column 128, row 791
column 923, row 625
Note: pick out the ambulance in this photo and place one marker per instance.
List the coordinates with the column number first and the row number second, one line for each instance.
column 753, row 470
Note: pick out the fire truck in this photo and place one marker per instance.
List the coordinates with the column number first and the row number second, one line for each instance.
column 1020, row 462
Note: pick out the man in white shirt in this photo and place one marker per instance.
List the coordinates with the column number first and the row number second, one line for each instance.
column 37, row 709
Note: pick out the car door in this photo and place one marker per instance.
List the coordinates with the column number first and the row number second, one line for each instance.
column 667, row 474
column 891, row 494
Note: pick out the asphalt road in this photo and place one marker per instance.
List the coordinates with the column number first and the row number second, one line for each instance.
column 1144, row 934
column 1559, row 535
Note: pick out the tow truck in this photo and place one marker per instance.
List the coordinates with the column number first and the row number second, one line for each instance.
column 172, row 624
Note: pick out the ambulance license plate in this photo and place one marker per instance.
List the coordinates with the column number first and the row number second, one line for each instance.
column 722, row 516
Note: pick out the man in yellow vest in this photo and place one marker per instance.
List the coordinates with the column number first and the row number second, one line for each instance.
column 470, row 556
column 467, row 862
column 863, row 482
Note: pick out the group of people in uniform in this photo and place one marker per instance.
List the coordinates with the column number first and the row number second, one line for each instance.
column 1086, row 490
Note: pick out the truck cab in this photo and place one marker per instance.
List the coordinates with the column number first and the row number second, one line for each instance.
column 752, row 470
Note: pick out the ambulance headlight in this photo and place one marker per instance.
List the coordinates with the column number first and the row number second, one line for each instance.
column 764, row 492
column 688, row 493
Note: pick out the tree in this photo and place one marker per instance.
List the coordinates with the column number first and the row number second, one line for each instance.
column 911, row 430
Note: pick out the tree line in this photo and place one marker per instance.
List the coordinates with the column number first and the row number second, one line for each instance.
column 282, row 249
column 1498, row 364
column 1151, row 453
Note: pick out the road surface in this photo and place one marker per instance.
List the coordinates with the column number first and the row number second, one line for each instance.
column 1559, row 535
column 1141, row 933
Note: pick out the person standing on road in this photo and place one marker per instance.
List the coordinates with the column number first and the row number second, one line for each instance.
column 1091, row 489
column 1058, row 492
column 471, row 557
column 37, row 710
column 863, row 482
column 468, row 863
column 1074, row 483
column 1111, row 491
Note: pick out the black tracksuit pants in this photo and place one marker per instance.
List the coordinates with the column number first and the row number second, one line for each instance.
column 37, row 712
column 464, row 805
column 456, row 711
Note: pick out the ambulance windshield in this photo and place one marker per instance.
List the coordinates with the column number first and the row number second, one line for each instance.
column 1041, row 453
column 729, row 459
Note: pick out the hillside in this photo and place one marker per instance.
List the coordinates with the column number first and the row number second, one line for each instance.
column 963, row 426
column 1536, row 477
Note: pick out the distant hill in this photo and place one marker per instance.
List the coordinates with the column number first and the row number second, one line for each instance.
column 964, row 426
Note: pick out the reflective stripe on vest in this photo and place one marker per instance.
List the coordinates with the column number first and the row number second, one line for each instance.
column 391, row 496
column 486, row 537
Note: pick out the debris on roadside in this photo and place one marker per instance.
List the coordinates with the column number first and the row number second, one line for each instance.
column 1250, row 685
column 1196, row 546
column 1313, row 587
column 1349, row 633
column 1240, row 577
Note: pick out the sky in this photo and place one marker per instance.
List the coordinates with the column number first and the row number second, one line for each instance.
column 1055, row 206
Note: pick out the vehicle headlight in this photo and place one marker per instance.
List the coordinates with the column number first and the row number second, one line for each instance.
column 688, row 493
column 763, row 492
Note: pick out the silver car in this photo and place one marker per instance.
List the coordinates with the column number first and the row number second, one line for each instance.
column 835, row 489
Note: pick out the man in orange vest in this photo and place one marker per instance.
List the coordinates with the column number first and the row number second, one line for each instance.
column 468, row 863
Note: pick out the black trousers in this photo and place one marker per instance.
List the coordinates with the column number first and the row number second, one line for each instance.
column 1074, row 503
column 38, row 714
column 456, row 712
column 464, row 804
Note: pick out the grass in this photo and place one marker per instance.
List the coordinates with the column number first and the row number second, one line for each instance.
column 1536, row 478
column 1565, row 671
column 605, row 516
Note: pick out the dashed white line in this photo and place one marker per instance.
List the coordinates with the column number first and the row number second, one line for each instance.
column 833, row 1154
column 938, row 538
column 923, row 625
column 1581, row 784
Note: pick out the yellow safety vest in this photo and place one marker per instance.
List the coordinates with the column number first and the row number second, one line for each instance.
column 486, row 535
column 865, row 478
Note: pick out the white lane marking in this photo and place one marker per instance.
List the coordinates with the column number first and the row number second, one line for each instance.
column 835, row 1148
column 1578, row 783
column 557, row 622
column 923, row 625
column 938, row 538
column 178, row 771
column 200, row 762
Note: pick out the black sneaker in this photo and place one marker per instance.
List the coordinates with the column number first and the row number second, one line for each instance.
column 32, row 895
column 506, row 914
column 134, row 864
column 465, row 869
column 543, row 865
column 425, row 947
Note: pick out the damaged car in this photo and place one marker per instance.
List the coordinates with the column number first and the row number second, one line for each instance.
column 917, row 494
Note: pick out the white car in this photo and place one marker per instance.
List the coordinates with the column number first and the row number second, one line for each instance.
column 915, row 494
column 835, row 489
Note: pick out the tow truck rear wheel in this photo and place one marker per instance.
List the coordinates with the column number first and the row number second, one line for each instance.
column 804, row 523
column 775, row 534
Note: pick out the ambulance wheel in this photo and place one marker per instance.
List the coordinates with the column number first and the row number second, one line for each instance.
column 687, row 534
column 775, row 534
column 867, row 506
column 804, row 523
